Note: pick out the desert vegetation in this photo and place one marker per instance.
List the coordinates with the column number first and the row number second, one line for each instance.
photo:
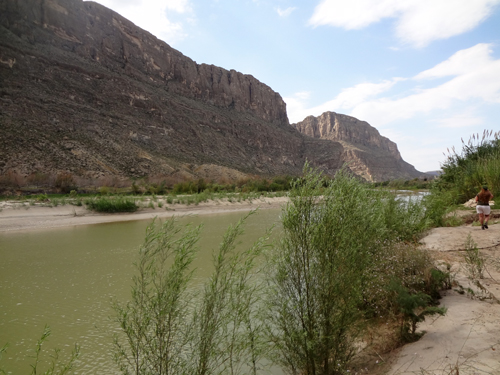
column 13, row 184
column 464, row 173
column 302, row 304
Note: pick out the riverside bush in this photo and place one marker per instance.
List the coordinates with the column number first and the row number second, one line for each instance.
column 317, row 274
column 168, row 328
column 463, row 175
column 329, row 272
column 477, row 164
column 65, row 182
column 111, row 204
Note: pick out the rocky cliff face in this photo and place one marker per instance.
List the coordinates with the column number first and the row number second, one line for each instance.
column 367, row 153
column 85, row 91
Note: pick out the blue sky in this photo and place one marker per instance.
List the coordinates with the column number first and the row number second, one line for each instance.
column 425, row 73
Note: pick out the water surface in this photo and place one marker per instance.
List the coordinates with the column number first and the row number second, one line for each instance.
column 67, row 277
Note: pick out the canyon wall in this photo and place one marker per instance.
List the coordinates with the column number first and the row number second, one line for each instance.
column 85, row 91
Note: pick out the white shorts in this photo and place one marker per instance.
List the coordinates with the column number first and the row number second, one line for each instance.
column 483, row 209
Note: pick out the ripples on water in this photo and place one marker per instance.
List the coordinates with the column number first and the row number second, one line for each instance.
column 67, row 277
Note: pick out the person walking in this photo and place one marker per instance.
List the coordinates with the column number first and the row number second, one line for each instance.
column 483, row 206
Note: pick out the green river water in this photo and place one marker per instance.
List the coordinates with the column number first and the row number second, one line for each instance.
column 67, row 277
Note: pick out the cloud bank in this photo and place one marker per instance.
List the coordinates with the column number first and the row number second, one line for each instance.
column 473, row 76
column 417, row 22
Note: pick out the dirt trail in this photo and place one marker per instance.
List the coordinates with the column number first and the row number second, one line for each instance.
column 466, row 341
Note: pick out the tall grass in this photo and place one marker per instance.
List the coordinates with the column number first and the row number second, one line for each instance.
column 464, row 173
column 477, row 164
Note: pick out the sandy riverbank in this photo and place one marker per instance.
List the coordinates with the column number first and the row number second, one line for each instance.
column 466, row 340
column 15, row 216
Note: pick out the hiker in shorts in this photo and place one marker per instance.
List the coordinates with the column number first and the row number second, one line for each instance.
column 483, row 206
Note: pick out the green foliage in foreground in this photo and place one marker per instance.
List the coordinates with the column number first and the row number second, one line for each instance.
column 318, row 273
column 111, row 204
column 303, row 310
column 168, row 328
column 330, row 272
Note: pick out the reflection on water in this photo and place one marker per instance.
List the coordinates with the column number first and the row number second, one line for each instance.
column 67, row 277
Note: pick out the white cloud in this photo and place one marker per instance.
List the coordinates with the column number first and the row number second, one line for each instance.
column 353, row 14
column 418, row 22
column 152, row 15
column 356, row 95
column 285, row 12
column 349, row 98
column 462, row 62
column 475, row 77
column 303, row 95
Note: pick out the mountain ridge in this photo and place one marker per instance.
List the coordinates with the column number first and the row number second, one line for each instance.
column 85, row 91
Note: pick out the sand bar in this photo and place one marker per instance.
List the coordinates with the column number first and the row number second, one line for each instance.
column 16, row 217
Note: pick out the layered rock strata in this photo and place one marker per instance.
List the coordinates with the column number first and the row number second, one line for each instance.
column 85, row 91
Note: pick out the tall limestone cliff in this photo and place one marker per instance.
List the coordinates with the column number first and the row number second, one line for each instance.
column 366, row 152
column 85, row 91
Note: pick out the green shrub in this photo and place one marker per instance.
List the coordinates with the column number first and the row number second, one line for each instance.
column 477, row 164
column 104, row 190
column 42, row 198
column 319, row 271
column 474, row 261
column 414, row 307
column 405, row 219
column 167, row 328
column 111, row 204
column 135, row 188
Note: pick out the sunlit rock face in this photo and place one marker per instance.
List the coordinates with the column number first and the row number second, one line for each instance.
column 85, row 91
column 366, row 152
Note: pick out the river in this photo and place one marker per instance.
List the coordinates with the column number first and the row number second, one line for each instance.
column 67, row 277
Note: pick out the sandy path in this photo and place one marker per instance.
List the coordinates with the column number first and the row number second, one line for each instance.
column 467, row 338
column 18, row 217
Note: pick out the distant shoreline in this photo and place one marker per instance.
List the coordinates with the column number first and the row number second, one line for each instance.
column 16, row 217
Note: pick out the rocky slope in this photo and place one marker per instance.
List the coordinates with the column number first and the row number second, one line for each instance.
column 367, row 153
column 85, row 91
